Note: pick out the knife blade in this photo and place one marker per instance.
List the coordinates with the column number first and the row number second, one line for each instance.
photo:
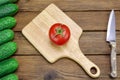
column 111, row 38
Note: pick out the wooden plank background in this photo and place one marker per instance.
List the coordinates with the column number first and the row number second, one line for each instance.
column 92, row 16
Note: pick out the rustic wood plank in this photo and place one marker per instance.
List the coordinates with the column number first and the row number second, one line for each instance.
column 92, row 16
column 23, row 18
column 86, row 41
column 69, row 5
column 24, row 47
column 40, row 27
column 37, row 68
column 87, row 20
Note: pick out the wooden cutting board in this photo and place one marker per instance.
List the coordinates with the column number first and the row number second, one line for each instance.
column 37, row 33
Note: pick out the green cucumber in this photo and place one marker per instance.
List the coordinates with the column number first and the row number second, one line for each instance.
column 7, row 23
column 8, row 10
column 7, row 50
column 7, row 1
column 10, row 77
column 8, row 66
column 6, row 35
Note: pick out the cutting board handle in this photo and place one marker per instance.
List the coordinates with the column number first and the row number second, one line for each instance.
column 86, row 64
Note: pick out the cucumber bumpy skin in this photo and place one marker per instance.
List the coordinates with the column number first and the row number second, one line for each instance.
column 6, row 35
column 7, row 1
column 8, row 10
column 7, row 23
column 11, row 76
column 7, row 50
column 8, row 66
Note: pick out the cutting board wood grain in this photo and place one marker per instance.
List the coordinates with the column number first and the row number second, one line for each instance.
column 37, row 33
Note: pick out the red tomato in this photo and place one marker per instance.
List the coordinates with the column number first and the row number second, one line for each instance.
column 59, row 33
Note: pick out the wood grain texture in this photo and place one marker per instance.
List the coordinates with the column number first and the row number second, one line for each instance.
column 70, row 5
column 92, row 21
column 92, row 16
column 37, row 68
column 40, row 26
column 85, row 42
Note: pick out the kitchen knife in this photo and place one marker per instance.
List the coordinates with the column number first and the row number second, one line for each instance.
column 111, row 38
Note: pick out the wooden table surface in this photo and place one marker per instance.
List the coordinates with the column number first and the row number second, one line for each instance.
column 92, row 16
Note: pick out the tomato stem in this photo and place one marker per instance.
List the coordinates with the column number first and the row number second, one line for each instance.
column 59, row 31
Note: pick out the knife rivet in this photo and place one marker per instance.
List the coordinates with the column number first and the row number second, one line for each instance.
column 114, row 72
column 114, row 58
